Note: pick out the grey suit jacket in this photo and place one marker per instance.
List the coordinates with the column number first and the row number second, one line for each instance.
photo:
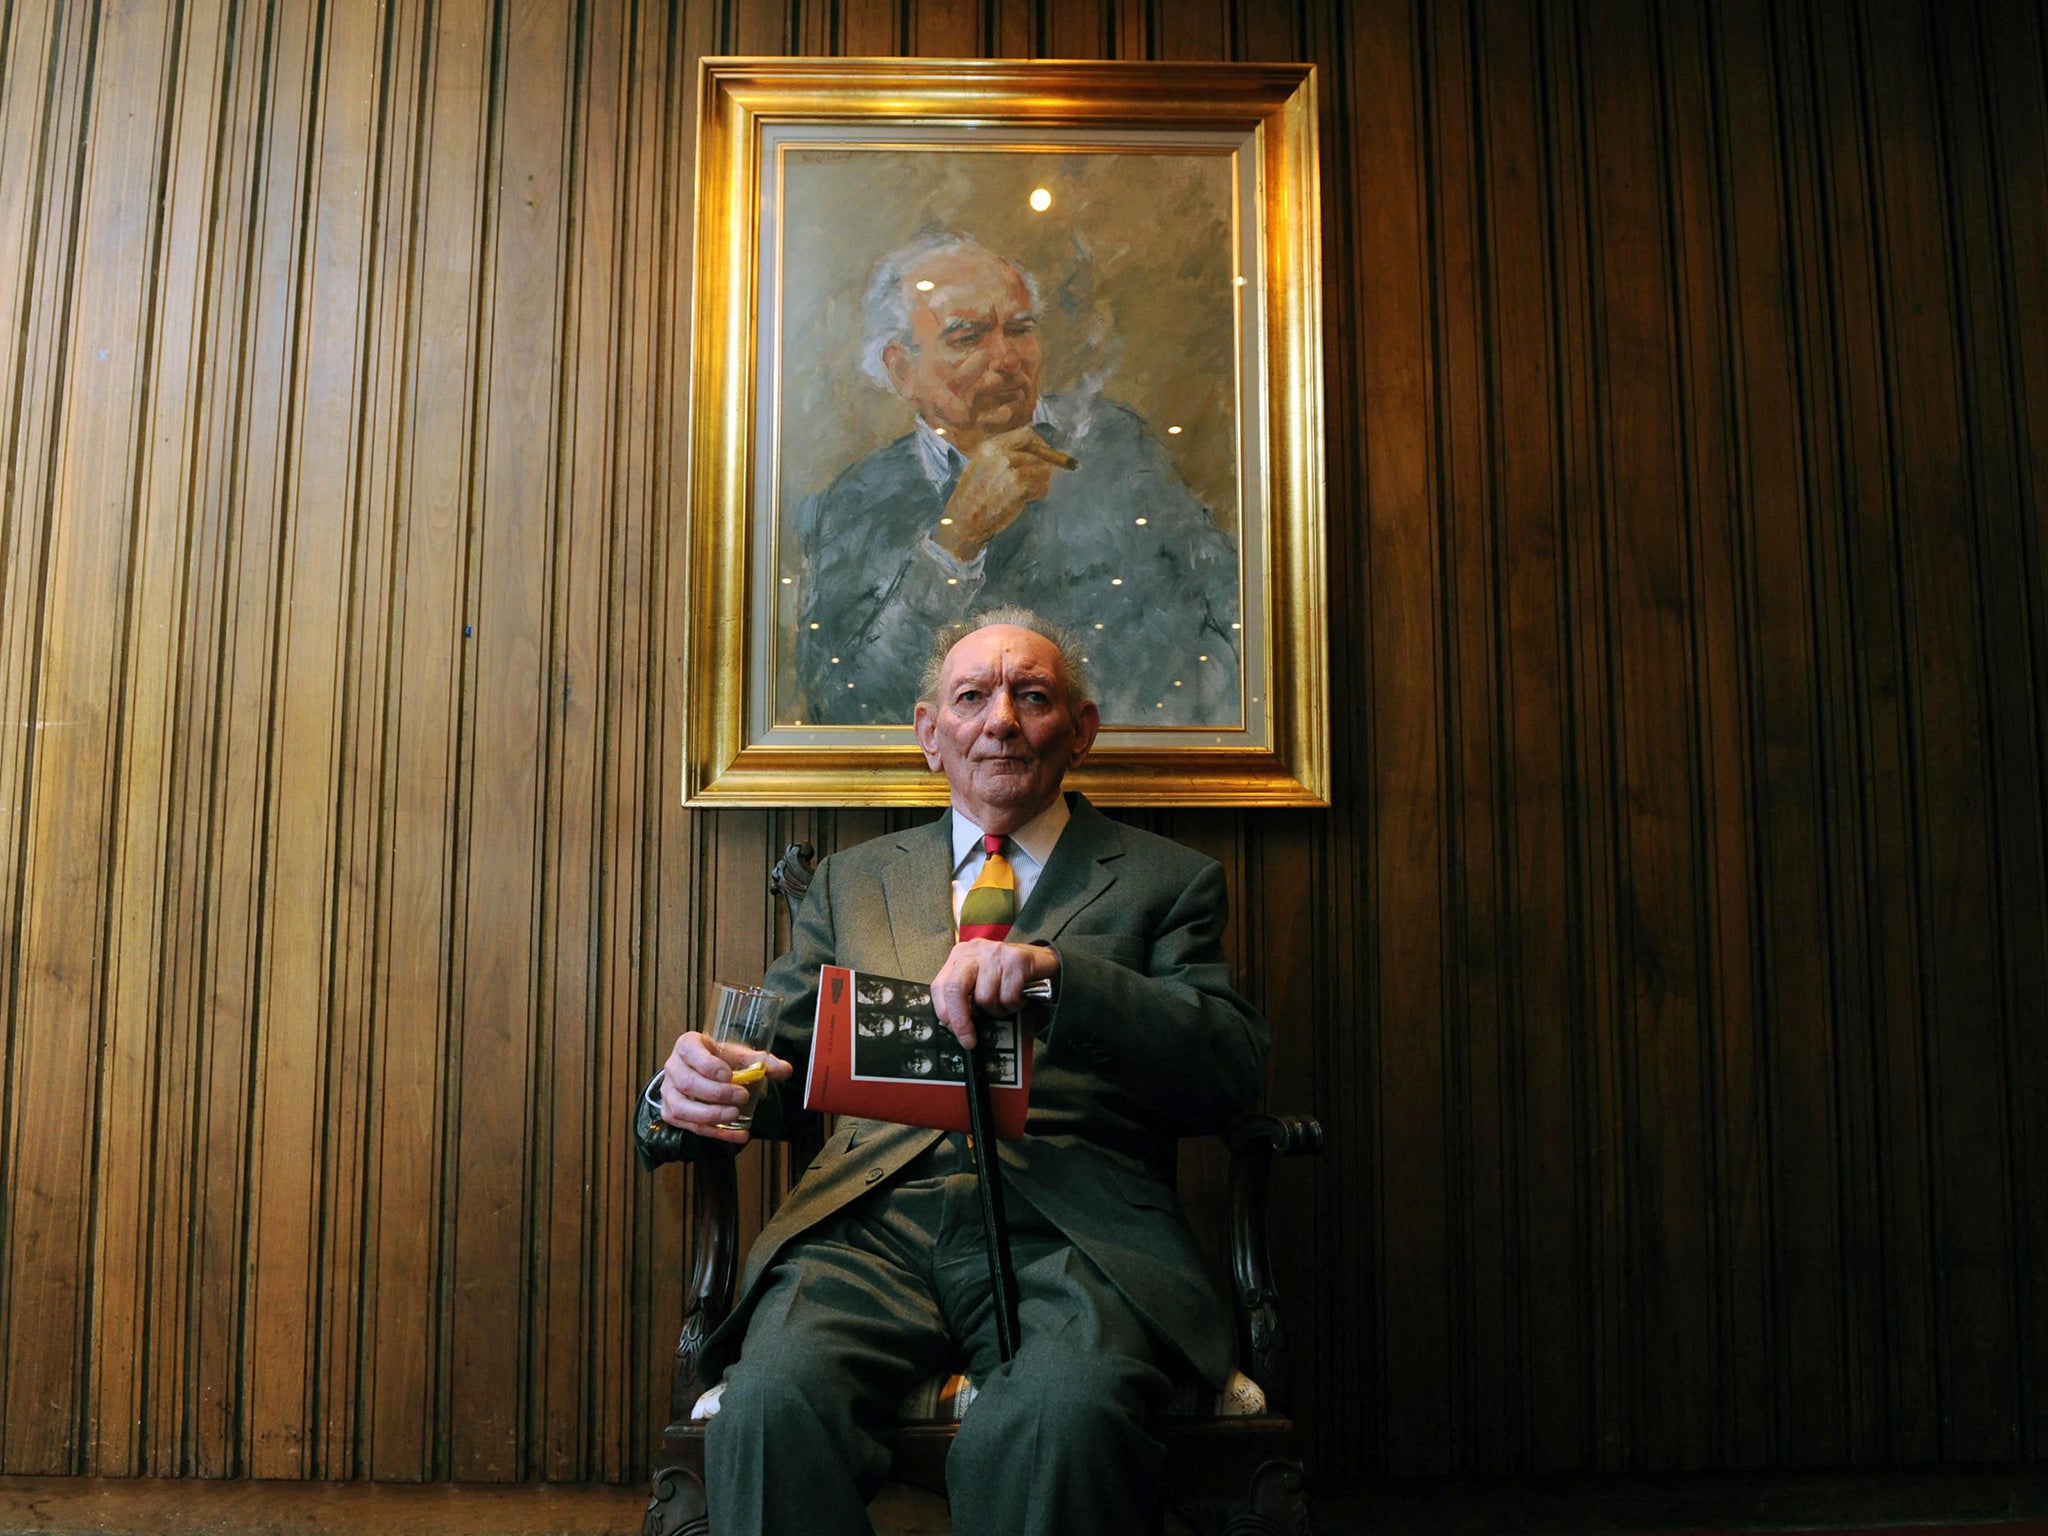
column 1145, row 1038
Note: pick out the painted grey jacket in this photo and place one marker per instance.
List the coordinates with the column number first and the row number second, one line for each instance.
column 1119, row 551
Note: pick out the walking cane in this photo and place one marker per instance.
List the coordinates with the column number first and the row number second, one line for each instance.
column 988, row 1167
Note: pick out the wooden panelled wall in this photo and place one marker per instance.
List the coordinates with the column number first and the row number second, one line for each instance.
column 1669, row 971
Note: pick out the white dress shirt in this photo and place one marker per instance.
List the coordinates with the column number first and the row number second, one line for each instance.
column 1030, row 846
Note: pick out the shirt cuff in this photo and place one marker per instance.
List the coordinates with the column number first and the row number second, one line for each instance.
column 953, row 565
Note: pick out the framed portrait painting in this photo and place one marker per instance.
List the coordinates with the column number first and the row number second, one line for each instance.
column 977, row 336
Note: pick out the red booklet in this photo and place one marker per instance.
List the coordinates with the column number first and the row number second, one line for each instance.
column 878, row 1051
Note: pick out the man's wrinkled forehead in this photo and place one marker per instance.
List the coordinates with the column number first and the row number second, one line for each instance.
column 990, row 655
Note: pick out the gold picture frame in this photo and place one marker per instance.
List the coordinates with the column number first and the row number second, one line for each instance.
column 1170, row 239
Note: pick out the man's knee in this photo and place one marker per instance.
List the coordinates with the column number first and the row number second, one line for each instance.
column 1074, row 1403
column 763, row 1397
column 1063, row 1451
column 780, row 1456
column 802, row 1422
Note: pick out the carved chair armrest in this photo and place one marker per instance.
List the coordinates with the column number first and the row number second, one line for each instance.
column 716, row 1249
column 715, row 1243
column 1254, row 1141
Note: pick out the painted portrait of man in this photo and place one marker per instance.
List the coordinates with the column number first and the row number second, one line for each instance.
column 1000, row 493
column 1028, row 396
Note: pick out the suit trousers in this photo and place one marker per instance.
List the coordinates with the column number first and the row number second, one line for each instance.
column 895, row 1289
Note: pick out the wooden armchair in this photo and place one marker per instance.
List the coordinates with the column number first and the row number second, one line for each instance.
column 1222, row 1461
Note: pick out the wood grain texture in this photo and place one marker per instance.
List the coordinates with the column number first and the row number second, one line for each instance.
column 1668, row 970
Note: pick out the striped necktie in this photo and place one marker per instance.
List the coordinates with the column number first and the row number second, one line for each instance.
column 990, row 907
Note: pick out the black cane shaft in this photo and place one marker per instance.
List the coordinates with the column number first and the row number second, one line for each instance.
column 1002, row 1274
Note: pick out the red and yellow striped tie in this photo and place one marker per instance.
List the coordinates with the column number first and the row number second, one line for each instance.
column 990, row 907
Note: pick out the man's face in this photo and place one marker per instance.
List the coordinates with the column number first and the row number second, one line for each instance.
column 1003, row 729
column 971, row 367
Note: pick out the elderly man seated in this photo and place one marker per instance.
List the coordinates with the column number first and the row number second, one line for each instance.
column 873, row 1275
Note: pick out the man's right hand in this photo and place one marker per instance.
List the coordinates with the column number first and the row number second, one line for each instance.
column 1004, row 475
column 989, row 975
column 697, row 1090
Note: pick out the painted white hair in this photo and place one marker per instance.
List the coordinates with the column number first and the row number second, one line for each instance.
column 885, row 308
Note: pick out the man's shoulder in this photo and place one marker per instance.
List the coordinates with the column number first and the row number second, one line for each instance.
column 886, row 471
column 1120, row 454
column 1149, row 851
column 1082, row 415
column 876, row 497
column 867, row 857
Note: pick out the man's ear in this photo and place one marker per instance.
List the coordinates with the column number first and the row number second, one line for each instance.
column 926, row 723
column 896, row 358
column 1087, row 721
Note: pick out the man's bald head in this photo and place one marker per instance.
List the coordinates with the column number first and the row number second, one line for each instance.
column 1000, row 724
column 1073, row 665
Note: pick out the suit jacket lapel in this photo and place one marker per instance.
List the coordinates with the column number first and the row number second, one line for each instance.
column 917, row 886
column 1080, row 871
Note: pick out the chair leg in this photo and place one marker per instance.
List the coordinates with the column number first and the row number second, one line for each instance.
column 1278, row 1505
column 677, row 1507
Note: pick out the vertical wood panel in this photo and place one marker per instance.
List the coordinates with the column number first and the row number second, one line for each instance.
column 149, row 1061
column 423, row 702
column 217, row 782
column 1590, row 860
column 302, row 1210
column 168, row 607
column 635, row 788
column 1730, row 1151
column 668, row 921
column 1268, row 30
column 267, row 1333
column 1480, row 1246
column 572, row 982
column 360, row 989
column 1784, row 698
column 72, row 697
column 510, row 611
column 1644, row 582
column 1888, row 902
column 1935, row 510
column 869, row 28
column 133, row 71
column 1543, row 1050
column 1822, row 355
column 1398, row 560
column 1018, row 25
column 1190, row 31
column 1669, row 980
column 1344, row 1323
column 947, row 29
column 1078, row 29
column 31, row 39
column 765, row 26
column 2014, row 62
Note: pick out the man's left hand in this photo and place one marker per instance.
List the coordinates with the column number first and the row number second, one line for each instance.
column 989, row 975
